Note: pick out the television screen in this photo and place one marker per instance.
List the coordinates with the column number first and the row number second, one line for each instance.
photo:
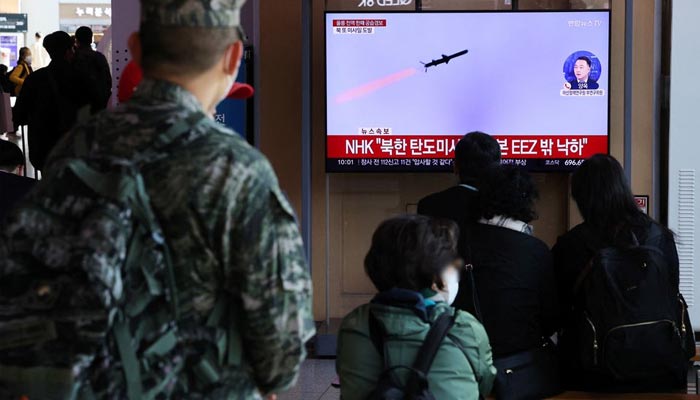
column 403, row 88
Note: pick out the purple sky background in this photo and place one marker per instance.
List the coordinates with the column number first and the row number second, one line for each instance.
column 508, row 84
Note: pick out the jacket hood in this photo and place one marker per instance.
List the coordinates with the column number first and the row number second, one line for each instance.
column 404, row 312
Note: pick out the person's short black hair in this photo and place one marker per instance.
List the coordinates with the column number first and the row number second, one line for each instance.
column 11, row 156
column 410, row 252
column 84, row 35
column 586, row 59
column 57, row 43
column 3, row 69
column 508, row 191
column 184, row 50
column 474, row 152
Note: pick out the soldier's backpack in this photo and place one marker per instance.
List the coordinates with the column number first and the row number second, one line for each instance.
column 88, row 300
column 416, row 387
column 631, row 320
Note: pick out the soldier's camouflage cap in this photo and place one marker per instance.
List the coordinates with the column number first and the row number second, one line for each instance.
column 192, row 13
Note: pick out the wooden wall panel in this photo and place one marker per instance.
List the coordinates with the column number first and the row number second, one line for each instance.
column 357, row 204
column 279, row 93
column 644, row 113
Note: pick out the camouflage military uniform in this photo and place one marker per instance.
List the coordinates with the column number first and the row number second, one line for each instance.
column 231, row 232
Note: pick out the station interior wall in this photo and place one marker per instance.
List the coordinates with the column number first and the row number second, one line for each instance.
column 346, row 208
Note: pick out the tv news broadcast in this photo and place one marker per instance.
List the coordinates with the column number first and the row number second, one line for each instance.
column 402, row 88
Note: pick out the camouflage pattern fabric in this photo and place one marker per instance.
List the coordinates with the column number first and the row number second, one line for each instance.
column 234, row 242
column 192, row 13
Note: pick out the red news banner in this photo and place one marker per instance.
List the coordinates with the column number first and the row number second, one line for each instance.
column 512, row 147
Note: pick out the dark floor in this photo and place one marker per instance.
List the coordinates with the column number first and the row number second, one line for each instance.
column 316, row 377
column 314, row 382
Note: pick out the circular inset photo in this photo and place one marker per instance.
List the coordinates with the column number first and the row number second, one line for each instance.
column 582, row 70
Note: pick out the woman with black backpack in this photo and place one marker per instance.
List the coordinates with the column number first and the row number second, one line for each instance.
column 408, row 342
column 626, row 326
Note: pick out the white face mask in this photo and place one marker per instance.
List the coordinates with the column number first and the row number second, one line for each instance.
column 450, row 281
column 28, row 59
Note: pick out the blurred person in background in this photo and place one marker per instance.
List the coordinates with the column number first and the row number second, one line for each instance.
column 23, row 69
column 93, row 67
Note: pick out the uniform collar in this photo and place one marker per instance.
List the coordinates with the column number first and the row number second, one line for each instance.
column 167, row 92
column 404, row 298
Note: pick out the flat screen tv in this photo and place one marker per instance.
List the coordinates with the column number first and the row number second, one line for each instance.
column 402, row 88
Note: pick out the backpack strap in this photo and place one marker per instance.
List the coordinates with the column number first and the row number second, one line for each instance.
column 578, row 284
column 469, row 268
column 178, row 128
column 428, row 350
column 426, row 353
column 127, row 355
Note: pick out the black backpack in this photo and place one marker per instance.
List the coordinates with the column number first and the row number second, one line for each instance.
column 416, row 387
column 11, row 86
column 631, row 321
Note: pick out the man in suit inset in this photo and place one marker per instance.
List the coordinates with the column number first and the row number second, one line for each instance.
column 582, row 71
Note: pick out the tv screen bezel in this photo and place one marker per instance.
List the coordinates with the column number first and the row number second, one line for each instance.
column 541, row 169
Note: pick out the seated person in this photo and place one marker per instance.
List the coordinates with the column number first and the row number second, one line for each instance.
column 413, row 263
column 13, row 187
column 613, row 221
column 474, row 152
column 515, row 294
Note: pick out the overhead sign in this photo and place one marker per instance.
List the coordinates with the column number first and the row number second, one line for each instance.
column 13, row 23
column 374, row 5
column 85, row 11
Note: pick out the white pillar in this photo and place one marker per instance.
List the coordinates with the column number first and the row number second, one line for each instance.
column 684, row 160
column 126, row 15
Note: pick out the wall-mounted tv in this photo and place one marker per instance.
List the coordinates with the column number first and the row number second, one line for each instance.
column 403, row 87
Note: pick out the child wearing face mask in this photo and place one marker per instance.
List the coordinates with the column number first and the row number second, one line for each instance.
column 413, row 263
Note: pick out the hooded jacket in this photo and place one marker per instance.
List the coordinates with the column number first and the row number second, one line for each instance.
column 462, row 368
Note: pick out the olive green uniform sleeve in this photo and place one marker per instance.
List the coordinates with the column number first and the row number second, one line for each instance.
column 267, row 269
